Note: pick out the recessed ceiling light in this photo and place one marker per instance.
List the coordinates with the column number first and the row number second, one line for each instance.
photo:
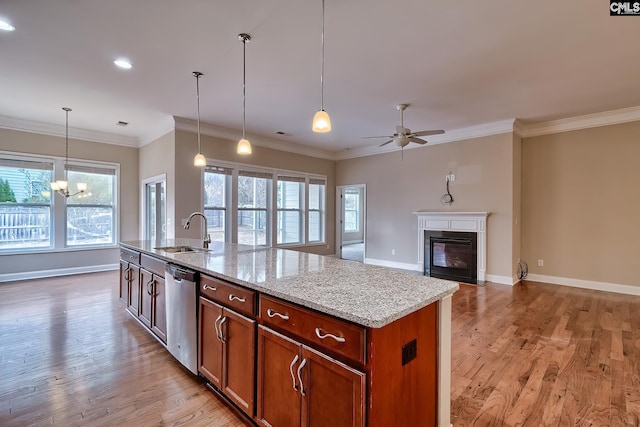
column 123, row 63
column 5, row 26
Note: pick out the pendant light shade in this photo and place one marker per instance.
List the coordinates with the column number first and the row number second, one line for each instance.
column 61, row 187
column 199, row 159
column 321, row 121
column 244, row 146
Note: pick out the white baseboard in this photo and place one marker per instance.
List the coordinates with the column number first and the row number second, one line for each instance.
column 10, row 277
column 391, row 264
column 503, row 280
column 586, row 284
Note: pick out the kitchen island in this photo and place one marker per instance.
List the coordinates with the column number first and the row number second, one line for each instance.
column 293, row 338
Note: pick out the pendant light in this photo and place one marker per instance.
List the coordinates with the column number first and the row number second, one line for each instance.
column 244, row 146
column 321, row 120
column 61, row 187
column 199, row 160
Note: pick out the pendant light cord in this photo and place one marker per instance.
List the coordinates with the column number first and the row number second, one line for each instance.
column 66, row 138
column 197, row 76
column 244, row 83
column 322, row 64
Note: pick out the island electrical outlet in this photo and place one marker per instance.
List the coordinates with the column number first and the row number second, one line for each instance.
column 409, row 352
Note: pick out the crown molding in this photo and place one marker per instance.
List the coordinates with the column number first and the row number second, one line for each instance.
column 605, row 118
column 485, row 129
column 189, row 125
column 43, row 128
column 160, row 130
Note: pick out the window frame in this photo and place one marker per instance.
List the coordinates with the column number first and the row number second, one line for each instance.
column 227, row 173
column 237, row 169
column 300, row 209
column 25, row 159
column 356, row 210
column 321, row 209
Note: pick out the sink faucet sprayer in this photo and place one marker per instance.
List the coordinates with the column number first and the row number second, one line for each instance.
column 206, row 238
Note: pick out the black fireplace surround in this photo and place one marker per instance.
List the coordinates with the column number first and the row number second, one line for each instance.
column 451, row 255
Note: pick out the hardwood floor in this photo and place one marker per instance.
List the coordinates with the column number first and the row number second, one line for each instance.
column 534, row 354
column 70, row 355
column 544, row 355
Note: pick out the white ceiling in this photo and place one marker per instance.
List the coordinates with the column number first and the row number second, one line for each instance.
column 459, row 64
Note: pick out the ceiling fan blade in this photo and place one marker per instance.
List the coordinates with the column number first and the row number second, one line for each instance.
column 418, row 141
column 428, row 132
column 384, row 136
column 382, row 145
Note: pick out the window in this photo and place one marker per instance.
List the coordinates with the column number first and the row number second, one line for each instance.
column 91, row 215
column 254, row 194
column 352, row 211
column 25, row 203
column 254, row 205
column 290, row 209
column 216, row 183
column 316, row 211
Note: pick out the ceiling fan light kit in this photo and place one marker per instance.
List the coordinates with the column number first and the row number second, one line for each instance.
column 403, row 136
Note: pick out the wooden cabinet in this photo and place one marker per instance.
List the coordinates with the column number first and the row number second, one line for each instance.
column 133, row 303
column 227, row 352
column 299, row 386
column 152, row 312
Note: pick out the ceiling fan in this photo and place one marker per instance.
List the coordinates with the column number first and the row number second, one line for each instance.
column 403, row 135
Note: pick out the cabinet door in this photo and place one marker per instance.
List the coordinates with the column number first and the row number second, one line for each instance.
column 278, row 387
column 210, row 354
column 159, row 309
column 334, row 394
column 146, row 296
column 134, row 290
column 124, row 281
column 239, row 339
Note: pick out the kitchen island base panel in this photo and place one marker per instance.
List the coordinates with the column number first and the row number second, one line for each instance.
column 404, row 395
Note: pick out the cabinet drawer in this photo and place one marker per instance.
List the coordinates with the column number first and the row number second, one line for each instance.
column 236, row 297
column 327, row 332
column 130, row 255
column 152, row 264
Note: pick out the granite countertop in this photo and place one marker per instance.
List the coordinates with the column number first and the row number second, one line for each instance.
column 364, row 294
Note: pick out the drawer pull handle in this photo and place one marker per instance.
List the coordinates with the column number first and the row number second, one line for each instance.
column 209, row 288
column 233, row 297
column 293, row 362
column 322, row 336
column 273, row 314
column 304, row 362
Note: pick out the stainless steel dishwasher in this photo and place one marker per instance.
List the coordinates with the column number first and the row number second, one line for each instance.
column 182, row 321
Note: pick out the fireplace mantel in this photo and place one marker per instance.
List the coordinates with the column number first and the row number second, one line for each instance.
column 455, row 221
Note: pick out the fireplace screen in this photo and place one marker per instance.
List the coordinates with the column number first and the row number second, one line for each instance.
column 451, row 255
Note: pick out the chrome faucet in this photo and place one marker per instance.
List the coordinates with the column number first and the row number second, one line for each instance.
column 206, row 238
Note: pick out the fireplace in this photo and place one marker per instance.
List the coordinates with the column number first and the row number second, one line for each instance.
column 452, row 255
column 456, row 225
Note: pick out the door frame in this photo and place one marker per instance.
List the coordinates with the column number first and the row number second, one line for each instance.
column 143, row 203
column 340, row 189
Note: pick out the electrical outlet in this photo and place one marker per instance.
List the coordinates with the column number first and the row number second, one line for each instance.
column 540, row 263
column 409, row 352
column 452, row 178
column 393, row 251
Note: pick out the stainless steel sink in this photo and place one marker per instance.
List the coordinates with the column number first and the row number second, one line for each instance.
column 176, row 249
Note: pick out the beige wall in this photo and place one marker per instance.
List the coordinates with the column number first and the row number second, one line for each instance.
column 581, row 204
column 188, row 178
column 484, row 182
column 127, row 157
